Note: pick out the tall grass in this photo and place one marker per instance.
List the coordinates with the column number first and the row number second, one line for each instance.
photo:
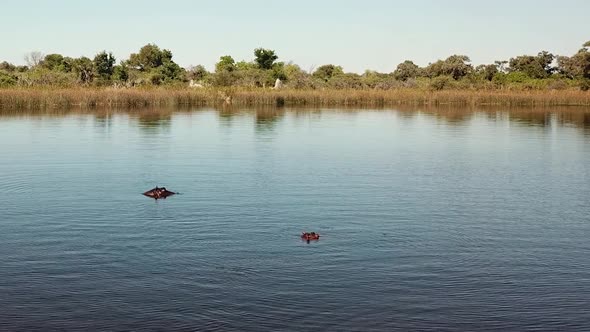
column 89, row 98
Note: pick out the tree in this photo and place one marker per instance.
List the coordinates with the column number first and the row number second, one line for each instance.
column 546, row 59
column 84, row 68
column 576, row 66
column 52, row 62
column 434, row 69
column 154, row 65
column 265, row 58
column 244, row 65
column 501, row 65
column 33, row 59
column 456, row 66
column 120, row 73
column 104, row 64
column 406, row 70
column 346, row 81
column 170, row 70
column 534, row 66
column 487, row 71
column 278, row 71
column 7, row 79
column 326, row 72
column 149, row 56
column 527, row 64
column 297, row 77
column 197, row 73
column 226, row 64
column 7, row 66
column 57, row 62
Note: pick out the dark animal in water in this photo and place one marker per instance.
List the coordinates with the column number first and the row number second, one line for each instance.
column 310, row 236
column 158, row 193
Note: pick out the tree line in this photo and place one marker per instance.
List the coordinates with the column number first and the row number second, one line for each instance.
column 153, row 66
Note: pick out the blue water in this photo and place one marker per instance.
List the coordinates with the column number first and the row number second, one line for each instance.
column 430, row 220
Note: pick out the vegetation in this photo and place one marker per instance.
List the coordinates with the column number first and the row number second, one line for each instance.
column 151, row 73
column 91, row 97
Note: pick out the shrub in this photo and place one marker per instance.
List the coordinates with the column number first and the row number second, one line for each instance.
column 7, row 79
column 439, row 83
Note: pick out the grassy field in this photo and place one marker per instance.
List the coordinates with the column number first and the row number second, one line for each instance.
column 90, row 98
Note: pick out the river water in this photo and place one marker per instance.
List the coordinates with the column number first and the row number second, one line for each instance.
column 430, row 219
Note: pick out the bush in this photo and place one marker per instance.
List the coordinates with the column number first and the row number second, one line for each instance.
column 224, row 78
column 517, row 77
column 439, row 83
column 7, row 79
column 346, row 81
column 557, row 84
column 41, row 76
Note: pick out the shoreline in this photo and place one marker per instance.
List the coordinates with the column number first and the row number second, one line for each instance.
column 95, row 98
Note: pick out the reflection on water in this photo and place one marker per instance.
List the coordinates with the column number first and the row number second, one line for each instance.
column 267, row 117
column 151, row 121
column 266, row 120
column 103, row 119
column 431, row 219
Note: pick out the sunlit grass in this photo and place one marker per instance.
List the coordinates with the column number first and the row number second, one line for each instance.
column 88, row 98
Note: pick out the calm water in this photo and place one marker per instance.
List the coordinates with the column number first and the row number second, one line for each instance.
column 430, row 220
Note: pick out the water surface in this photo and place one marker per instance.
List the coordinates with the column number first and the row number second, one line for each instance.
column 431, row 219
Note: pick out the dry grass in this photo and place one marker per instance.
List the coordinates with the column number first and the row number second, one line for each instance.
column 90, row 98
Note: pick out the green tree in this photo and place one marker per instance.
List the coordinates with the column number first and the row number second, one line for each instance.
column 7, row 66
column 576, row 66
column 534, row 66
column 84, row 68
column 252, row 77
column 487, row 72
column 153, row 65
column 104, row 64
column 170, row 70
column 149, row 56
column 278, row 71
column 225, row 78
column 7, row 79
column 456, row 66
column 406, row 70
column 57, row 62
column 440, row 82
column 52, row 61
column 197, row 73
column 226, row 64
column 434, row 69
column 244, row 65
column 296, row 77
column 265, row 58
column 546, row 59
column 326, row 72
column 120, row 73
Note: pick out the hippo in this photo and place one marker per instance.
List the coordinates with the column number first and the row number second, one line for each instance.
column 158, row 193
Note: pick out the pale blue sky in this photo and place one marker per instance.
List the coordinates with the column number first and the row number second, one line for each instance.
column 358, row 35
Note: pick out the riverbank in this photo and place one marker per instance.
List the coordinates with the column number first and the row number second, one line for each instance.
column 88, row 98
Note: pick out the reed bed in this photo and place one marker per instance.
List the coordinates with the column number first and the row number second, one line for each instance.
column 90, row 98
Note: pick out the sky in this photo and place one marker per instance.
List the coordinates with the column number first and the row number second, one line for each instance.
column 355, row 34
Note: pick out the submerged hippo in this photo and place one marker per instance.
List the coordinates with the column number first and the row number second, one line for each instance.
column 158, row 193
